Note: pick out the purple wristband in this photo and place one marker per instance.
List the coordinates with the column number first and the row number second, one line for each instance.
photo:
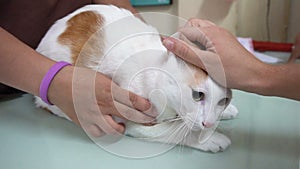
column 48, row 78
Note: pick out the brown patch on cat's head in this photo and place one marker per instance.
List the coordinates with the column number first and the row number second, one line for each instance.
column 84, row 37
column 199, row 75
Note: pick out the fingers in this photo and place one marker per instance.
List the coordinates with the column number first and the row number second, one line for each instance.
column 198, row 35
column 102, row 122
column 197, row 31
column 114, row 127
column 296, row 50
column 116, row 101
column 95, row 106
column 182, row 50
column 194, row 22
column 126, row 105
column 132, row 100
column 107, row 125
column 125, row 112
column 294, row 56
column 195, row 28
column 94, row 131
column 187, row 41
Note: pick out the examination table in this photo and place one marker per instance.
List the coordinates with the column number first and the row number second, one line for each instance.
column 266, row 134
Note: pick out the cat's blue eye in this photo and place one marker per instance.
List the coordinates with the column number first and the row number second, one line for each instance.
column 198, row 96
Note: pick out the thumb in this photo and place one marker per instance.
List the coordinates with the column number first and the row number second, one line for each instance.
column 293, row 57
column 186, row 52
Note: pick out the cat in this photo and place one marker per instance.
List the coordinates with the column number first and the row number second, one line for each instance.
column 130, row 52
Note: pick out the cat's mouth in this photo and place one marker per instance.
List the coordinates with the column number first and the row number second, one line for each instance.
column 194, row 125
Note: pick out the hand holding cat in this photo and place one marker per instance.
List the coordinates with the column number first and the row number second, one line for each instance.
column 223, row 55
column 231, row 65
column 94, row 99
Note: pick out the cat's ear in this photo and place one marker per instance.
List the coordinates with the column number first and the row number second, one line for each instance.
column 83, row 31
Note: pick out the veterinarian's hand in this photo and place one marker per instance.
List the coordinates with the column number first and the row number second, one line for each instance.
column 296, row 51
column 225, row 59
column 92, row 99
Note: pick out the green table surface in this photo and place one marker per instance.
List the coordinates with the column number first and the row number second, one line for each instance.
column 266, row 134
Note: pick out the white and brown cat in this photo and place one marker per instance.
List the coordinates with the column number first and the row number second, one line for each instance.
column 113, row 41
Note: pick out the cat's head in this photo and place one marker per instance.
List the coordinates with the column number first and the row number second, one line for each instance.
column 194, row 96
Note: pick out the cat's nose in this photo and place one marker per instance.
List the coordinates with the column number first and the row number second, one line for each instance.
column 207, row 124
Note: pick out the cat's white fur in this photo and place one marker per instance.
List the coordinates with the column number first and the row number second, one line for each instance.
column 136, row 60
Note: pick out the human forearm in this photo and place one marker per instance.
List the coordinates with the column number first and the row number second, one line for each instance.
column 231, row 65
column 281, row 80
column 21, row 66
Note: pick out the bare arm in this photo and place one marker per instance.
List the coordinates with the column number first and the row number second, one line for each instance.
column 24, row 68
column 242, row 70
column 21, row 67
column 282, row 80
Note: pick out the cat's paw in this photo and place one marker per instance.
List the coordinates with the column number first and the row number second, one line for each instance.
column 217, row 142
column 230, row 112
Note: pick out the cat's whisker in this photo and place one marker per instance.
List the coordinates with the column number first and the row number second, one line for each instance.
column 171, row 119
column 171, row 134
column 181, row 135
column 181, row 144
column 186, row 132
column 194, row 120
column 185, row 135
column 175, row 134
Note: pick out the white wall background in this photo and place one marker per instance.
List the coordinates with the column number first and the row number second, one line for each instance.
column 274, row 20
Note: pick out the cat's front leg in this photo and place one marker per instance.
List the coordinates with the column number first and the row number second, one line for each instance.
column 167, row 133
column 205, row 140
column 230, row 112
column 215, row 142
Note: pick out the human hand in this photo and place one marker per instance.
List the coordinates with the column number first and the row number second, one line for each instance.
column 92, row 99
column 225, row 59
column 296, row 51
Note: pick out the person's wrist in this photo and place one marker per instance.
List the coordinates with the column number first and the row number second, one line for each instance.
column 260, row 80
column 47, row 79
column 61, row 85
